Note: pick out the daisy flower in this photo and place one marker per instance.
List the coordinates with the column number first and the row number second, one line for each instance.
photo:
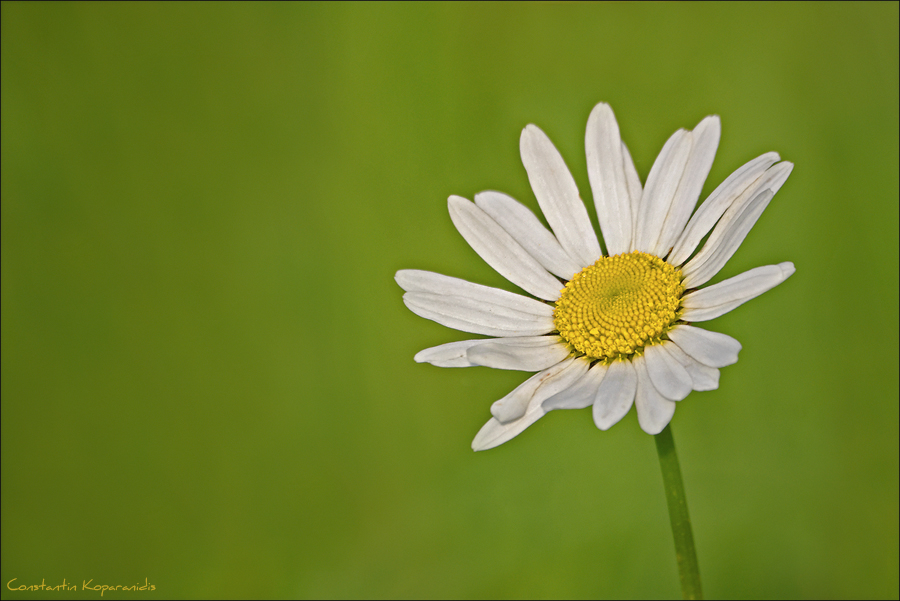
column 603, row 330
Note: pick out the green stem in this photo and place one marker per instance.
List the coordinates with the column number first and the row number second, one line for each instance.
column 678, row 514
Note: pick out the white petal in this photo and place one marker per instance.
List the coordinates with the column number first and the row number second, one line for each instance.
column 709, row 348
column 711, row 302
column 538, row 388
column 662, row 183
column 501, row 251
column 609, row 182
column 634, row 186
column 706, row 141
column 494, row 433
column 557, row 195
column 703, row 377
column 667, row 374
column 452, row 354
column 530, row 353
column 653, row 409
column 528, row 231
column 736, row 184
column 541, row 386
column 416, row 280
column 615, row 394
column 581, row 394
column 734, row 226
column 724, row 241
column 477, row 316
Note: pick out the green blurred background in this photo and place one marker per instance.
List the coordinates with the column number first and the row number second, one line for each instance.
column 207, row 367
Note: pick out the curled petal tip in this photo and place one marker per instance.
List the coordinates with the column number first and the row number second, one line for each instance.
column 787, row 269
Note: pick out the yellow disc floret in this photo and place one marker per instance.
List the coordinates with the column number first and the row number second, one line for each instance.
column 619, row 305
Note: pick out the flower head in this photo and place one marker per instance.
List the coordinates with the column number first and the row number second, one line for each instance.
column 604, row 330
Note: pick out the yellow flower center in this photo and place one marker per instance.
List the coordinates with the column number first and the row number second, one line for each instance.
column 619, row 305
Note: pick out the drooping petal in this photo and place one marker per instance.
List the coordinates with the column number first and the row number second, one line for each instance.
column 669, row 377
column 530, row 353
column 527, row 230
column 535, row 390
column 609, row 181
column 719, row 299
column 703, row 151
column 734, row 226
column 546, row 384
column 526, row 351
column 452, row 354
column 580, row 394
column 477, row 316
column 501, row 251
column 703, row 377
column 493, row 433
column 653, row 409
column 744, row 180
column 709, row 348
column 556, row 193
column 615, row 395
column 662, row 183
